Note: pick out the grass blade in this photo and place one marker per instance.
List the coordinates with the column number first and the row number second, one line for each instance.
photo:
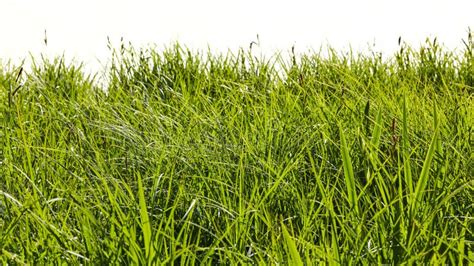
column 145, row 221
column 425, row 171
column 293, row 251
column 348, row 173
column 406, row 150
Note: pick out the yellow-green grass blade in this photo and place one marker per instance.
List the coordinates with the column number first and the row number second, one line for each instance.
column 406, row 150
column 145, row 221
column 348, row 173
column 291, row 245
column 425, row 173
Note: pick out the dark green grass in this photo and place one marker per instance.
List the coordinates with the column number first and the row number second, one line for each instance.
column 204, row 159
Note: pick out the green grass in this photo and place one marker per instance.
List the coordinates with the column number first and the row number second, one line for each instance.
column 192, row 158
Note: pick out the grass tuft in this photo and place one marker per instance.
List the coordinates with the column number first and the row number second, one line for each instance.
column 192, row 158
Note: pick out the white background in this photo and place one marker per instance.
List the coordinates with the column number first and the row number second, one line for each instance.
column 79, row 29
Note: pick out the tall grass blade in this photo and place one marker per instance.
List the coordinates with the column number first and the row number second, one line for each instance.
column 145, row 221
column 291, row 245
column 348, row 174
column 406, row 150
column 425, row 172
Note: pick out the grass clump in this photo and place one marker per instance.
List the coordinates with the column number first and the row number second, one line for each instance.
column 191, row 158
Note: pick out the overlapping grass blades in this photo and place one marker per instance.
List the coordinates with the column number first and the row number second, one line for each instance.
column 191, row 158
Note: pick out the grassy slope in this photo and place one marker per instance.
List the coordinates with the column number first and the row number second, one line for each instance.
column 199, row 159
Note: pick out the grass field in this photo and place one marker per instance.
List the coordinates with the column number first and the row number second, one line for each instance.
column 193, row 158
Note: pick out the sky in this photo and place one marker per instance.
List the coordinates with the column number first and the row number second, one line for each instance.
column 79, row 29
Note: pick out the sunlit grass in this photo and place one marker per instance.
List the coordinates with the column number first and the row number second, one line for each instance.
column 192, row 158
